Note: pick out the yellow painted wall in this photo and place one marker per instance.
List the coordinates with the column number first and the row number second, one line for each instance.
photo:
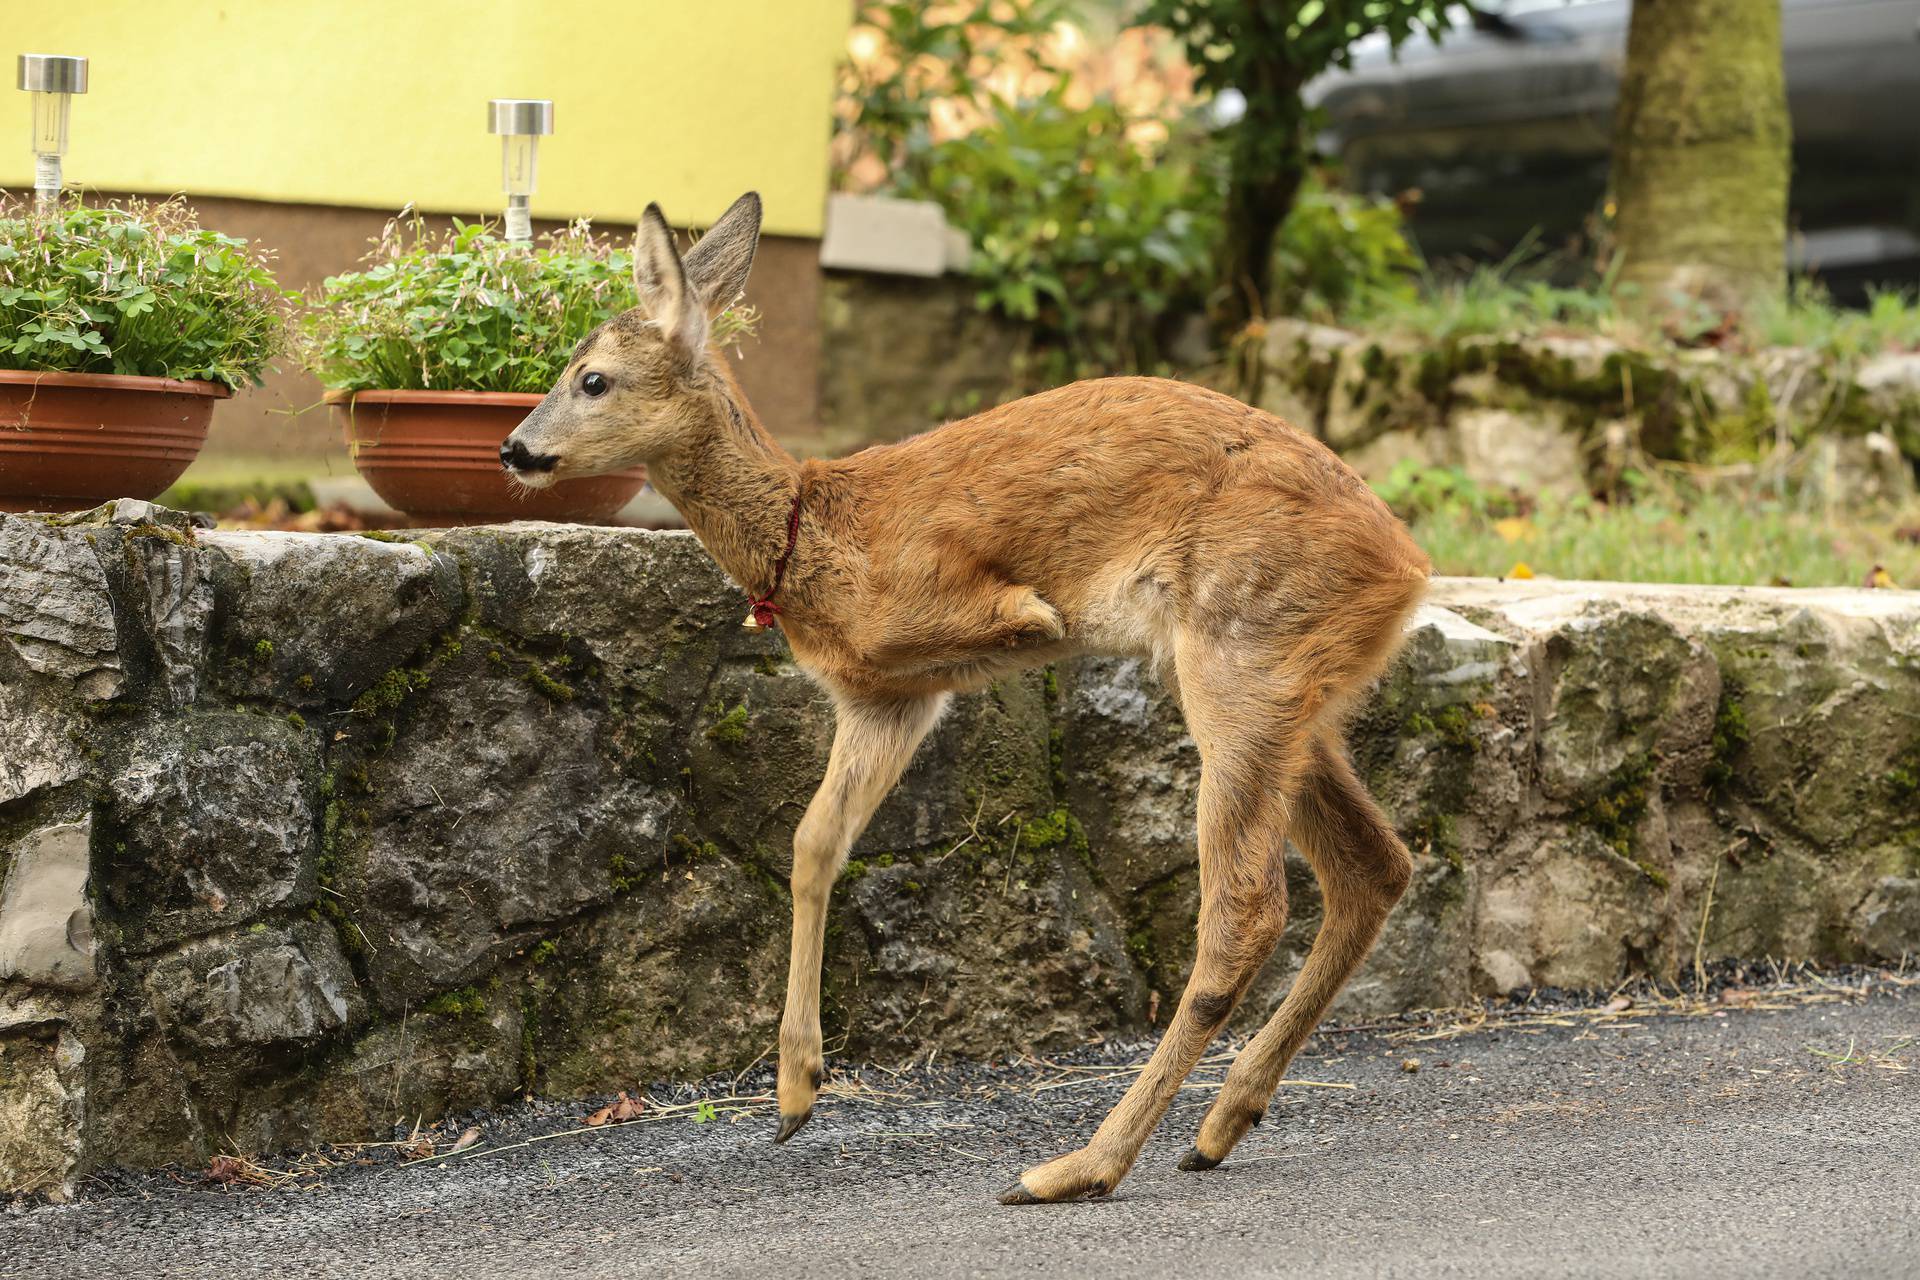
column 375, row 103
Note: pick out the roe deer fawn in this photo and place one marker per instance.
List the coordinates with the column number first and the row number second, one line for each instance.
column 1263, row 580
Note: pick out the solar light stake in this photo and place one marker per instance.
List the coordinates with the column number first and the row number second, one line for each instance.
column 52, row 79
column 521, row 123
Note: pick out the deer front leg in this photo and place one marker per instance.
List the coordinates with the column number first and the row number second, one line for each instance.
column 872, row 743
column 1027, row 619
column 933, row 629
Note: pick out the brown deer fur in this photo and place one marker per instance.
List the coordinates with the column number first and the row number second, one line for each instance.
column 1262, row 579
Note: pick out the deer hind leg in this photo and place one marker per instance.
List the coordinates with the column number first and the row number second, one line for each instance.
column 1253, row 755
column 872, row 743
column 1363, row 869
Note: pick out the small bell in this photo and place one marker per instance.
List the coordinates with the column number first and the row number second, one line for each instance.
column 760, row 614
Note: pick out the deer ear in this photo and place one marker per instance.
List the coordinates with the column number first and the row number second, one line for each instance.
column 718, row 264
column 661, row 279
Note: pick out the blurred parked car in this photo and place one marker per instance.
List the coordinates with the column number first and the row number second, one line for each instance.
column 1504, row 128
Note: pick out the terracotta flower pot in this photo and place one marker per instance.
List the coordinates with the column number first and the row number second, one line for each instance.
column 436, row 454
column 69, row 441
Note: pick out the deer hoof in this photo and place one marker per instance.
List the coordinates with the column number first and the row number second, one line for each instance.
column 1020, row 1193
column 1197, row 1161
column 790, row 1125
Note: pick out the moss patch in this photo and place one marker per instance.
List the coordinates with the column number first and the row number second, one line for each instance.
column 1614, row 813
column 731, row 728
column 539, row 677
column 390, row 690
column 1730, row 737
column 1059, row 830
column 467, row 1002
column 1903, row 779
column 178, row 537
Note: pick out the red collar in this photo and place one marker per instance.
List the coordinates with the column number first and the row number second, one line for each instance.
column 761, row 610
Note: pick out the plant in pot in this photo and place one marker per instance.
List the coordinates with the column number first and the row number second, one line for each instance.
column 120, row 327
column 436, row 349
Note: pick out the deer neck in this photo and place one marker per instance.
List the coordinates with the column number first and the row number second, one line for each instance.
column 734, row 485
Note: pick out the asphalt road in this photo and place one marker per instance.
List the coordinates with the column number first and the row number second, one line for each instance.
column 1751, row 1142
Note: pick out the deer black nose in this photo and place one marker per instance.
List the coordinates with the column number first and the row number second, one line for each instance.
column 515, row 456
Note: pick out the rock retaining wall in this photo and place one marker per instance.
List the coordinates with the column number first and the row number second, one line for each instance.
column 1567, row 413
column 900, row 354
column 302, row 835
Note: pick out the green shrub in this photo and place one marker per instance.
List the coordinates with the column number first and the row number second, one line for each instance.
column 464, row 310
column 135, row 289
column 1336, row 248
column 1077, row 229
column 1415, row 491
column 1090, row 226
column 1097, row 229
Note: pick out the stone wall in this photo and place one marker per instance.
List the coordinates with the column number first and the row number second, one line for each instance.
column 302, row 835
column 1566, row 413
column 902, row 354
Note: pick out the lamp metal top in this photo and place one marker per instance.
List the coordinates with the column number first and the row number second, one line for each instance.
column 520, row 115
column 52, row 73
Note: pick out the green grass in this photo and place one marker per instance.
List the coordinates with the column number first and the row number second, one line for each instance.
column 1489, row 300
column 1707, row 538
column 1890, row 322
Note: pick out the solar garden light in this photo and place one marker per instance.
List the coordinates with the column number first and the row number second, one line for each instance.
column 520, row 122
column 52, row 79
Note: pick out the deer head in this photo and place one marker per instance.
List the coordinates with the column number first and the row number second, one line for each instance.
column 637, row 388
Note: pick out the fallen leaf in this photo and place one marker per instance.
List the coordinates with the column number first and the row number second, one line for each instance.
column 598, row 1118
column 625, row 1108
column 1619, row 1004
column 1410, row 1065
column 467, row 1139
column 1738, row 996
column 1521, row 569
column 419, row 1149
column 225, row 1169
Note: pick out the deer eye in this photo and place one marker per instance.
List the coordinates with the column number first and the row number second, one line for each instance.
column 595, row 384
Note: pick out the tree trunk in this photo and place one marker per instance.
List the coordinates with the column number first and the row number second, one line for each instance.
column 1267, row 163
column 1700, row 154
column 1257, row 205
